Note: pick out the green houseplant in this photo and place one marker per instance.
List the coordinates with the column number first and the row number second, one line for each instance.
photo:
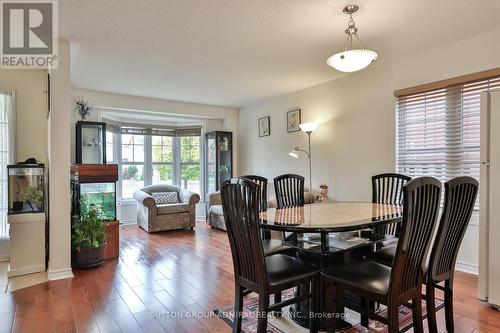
column 88, row 236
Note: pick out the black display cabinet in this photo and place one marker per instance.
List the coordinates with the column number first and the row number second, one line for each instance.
column 90, row 142
column 218, row 160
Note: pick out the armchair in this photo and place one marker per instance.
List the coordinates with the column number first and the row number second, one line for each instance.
column 215, row 215
column 153, row 217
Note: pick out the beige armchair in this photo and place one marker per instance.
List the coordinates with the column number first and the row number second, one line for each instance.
column 153, row 217
column 215, row 215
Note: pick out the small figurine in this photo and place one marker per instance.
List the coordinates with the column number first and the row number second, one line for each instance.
column 323, row 193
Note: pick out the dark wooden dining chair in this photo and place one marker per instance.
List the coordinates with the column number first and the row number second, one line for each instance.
column 252, row 269
column 375, row 282
column 262, row 182
column 387, row 188
column 289, row 190
column 271, row 246
column 459, row 201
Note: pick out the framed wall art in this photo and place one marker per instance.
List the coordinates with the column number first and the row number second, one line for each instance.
column 293, row 121
column 264, row 126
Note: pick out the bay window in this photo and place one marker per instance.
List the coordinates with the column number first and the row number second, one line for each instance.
column 150, row 156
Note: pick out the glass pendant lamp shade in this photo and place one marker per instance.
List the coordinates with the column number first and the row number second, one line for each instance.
column 294, row 154
column 352, row 60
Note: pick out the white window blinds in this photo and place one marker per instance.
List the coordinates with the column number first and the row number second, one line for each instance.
column 6, row 156
column 437, row 131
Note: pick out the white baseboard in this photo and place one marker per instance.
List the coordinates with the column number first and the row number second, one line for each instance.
column 128, row 222
column 4, row 249
column 59, row 274
column 25, row 270
column 467, row 268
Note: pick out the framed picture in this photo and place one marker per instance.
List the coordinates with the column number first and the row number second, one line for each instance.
column 264, row 126
column 293, row 121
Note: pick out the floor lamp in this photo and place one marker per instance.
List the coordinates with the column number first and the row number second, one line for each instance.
column 306, row 128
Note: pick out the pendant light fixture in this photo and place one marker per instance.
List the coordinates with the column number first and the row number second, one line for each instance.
column 352, row 60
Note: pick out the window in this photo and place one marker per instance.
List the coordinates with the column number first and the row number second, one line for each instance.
column 190, row 163
column 132, row 164
column 6, row 153
column 109, row 147
column 437, row 131
column 158, row 156
column 163, row 159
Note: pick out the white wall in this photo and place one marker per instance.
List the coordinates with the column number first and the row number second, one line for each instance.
column 31, row 118
column 31, row 110
column 356, row 137
column 213, row 118
column 213, row 115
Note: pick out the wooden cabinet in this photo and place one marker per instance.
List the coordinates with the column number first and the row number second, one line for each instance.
column 112, row 249
column 96, row 185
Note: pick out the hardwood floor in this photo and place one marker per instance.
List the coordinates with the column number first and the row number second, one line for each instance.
column 179, row 272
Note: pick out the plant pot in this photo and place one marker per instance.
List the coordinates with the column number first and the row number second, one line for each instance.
column 89, row 257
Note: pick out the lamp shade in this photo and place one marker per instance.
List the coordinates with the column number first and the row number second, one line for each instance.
column 294, row 154
column 352, row 60
column 308, row 127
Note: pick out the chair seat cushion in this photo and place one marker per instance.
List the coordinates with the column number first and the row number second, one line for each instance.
column 274, row 246
column 390, row 241
column 172, row 209
column 385, row 255
column 283, row 269
column 362, row 275
column 216, row 210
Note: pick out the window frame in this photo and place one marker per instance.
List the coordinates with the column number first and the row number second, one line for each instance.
column 191, row 162
column 172, row 164
column 148, row 163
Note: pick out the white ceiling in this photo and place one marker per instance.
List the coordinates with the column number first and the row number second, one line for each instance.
column 236, row 52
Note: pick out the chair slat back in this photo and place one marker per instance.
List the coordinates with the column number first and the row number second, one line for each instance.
column 289, row 191
column 459, row 200
column 240, row 203
column 421, row 200
column 387, row 188
column 263, row 190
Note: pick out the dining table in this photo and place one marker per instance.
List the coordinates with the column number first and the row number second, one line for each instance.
column 330, row 234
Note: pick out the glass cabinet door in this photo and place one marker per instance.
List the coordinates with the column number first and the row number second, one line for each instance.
column 211, row 165
column 224, row 156
column 91, row 143
column 219, row 159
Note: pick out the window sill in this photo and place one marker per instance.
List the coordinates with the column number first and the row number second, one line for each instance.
column 128, row 202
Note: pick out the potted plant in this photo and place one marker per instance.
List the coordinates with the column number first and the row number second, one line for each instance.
column 88, row 237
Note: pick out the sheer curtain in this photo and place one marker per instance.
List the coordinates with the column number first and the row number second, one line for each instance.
column 6, row 155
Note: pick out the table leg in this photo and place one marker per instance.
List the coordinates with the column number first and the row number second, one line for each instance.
column 299, row 312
